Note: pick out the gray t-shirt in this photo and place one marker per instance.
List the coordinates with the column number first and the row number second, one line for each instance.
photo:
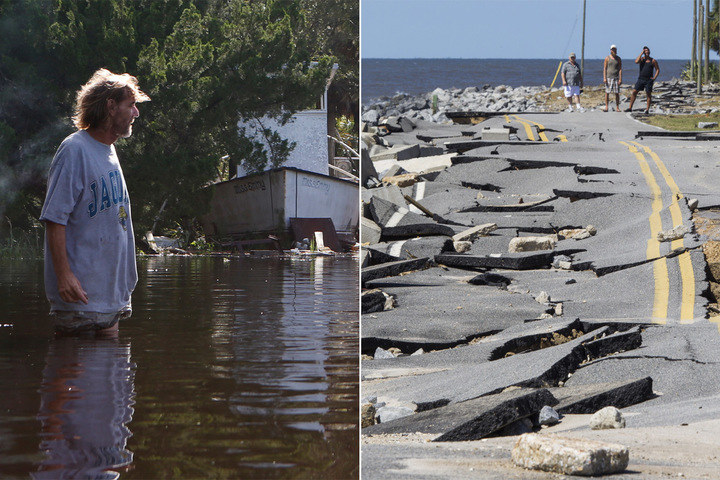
column 572, row 73
column 87, row 193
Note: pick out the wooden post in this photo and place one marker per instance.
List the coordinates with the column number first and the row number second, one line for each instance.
column 700, row 39
column 693, row 57
column 582, row 47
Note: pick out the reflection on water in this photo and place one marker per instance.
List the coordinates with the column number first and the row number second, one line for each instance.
column 86, row 399
column 241, row 368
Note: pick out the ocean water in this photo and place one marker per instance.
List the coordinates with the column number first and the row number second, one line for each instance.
column 387, row 77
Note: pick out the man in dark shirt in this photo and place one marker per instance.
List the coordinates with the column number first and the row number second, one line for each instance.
column 649, row 71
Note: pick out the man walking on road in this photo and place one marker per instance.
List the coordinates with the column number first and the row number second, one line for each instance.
column 572, row 81
column 612, row 77
column 649, row 71
column 90, row 269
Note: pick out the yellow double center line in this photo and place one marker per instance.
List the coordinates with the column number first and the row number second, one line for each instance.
column 529, row 131
column 662, row 282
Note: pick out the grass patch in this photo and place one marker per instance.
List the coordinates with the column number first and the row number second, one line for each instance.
column 683, row 122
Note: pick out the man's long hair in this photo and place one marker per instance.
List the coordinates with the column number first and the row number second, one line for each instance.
column 91, row 101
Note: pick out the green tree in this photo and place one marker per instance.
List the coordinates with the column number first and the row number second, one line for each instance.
column 206, row 64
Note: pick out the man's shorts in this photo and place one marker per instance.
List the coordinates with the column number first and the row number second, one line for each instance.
column 612, row 86
column 572, row 90
column 644, row 84
column 77, row 322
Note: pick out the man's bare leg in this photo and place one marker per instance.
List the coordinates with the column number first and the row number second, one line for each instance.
column 110, row 331
column 632, row 100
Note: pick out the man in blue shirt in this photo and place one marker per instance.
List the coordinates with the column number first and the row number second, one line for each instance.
column 90, row 269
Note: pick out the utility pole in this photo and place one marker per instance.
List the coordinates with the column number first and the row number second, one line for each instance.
column 693, row 57
column 700, row 46
column 706, row 73
column 582, row 47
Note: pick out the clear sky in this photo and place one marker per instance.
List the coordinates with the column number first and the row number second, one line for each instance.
column 524, row 28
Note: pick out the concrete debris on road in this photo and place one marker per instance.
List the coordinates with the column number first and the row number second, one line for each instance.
column 569, row 456
column 673, row 234
column 608, row 417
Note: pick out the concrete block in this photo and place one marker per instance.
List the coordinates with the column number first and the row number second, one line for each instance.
column 501, row 134
column 530, row 244
column 569, row 456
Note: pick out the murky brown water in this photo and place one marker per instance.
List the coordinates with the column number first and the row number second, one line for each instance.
column 246, row 368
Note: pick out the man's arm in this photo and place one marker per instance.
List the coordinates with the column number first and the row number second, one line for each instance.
column 68, row 285
column 605, row 70
column 637, row 60
column 657, row 69
column 562, row 75
column 619, row 71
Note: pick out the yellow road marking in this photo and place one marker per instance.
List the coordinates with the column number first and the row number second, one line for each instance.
column 562, row 138
column 660, row 272
column 686, row 270
column 663, row 169
column 540, row 126
column 507, row 119
column 528, row 128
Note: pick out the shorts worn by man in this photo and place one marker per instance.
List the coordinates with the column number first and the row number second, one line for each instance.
column 90, row 270
column 612, row 77
column 572, row 81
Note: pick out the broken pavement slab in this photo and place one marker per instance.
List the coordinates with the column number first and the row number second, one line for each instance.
column 393, row 268
column 418, row 164
column 400, row 152
column 370, row 232
column 397, row 221
column 470, row 420
column 536, row 369
column 411, row 248
column 511, row 261
column 592, row 397
column 439, row 309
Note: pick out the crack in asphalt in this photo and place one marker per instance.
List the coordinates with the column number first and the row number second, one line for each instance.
column 659, row 357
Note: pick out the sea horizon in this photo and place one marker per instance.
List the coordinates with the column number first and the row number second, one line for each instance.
column 386, row 77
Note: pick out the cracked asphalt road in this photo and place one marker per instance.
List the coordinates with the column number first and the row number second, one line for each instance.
column 585, row 168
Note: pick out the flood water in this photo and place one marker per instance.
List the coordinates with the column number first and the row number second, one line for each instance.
column 239, row 368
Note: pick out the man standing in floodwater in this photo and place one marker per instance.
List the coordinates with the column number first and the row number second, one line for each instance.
column 649, row 71
column 90, row 270
column 612, row 77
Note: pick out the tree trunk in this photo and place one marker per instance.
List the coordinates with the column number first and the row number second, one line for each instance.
column 693, row 57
